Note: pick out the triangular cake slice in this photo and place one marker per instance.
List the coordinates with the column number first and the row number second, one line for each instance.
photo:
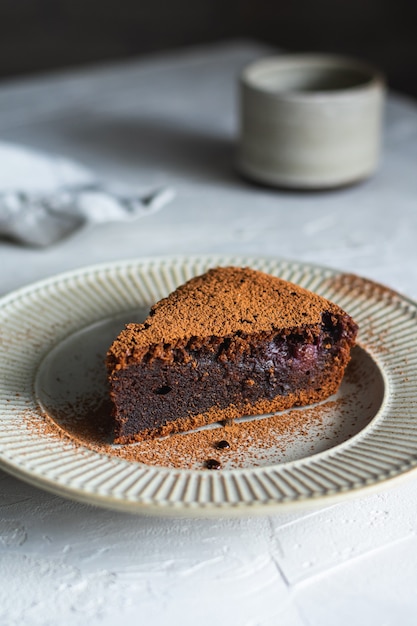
column 229, row 343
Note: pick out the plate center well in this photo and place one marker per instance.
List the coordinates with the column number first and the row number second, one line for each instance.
column 71, row 389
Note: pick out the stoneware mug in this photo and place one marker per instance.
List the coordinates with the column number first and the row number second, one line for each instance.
column 310, row 121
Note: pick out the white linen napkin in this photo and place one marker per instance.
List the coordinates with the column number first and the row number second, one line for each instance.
column 45, row 198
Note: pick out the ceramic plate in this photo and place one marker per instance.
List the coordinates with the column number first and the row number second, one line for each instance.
column 54, row 414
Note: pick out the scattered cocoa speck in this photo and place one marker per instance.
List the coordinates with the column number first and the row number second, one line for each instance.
column 252, row 443
column 213, row 464
column 86, row 422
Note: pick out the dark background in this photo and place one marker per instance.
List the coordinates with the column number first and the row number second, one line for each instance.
column 42, row 35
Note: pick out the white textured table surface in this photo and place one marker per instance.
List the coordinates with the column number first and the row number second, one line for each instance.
column 172, row 120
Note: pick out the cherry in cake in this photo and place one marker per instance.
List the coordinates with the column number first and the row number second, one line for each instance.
column 229, row 343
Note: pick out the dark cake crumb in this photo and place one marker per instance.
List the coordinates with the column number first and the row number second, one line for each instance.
column 222, row 445
column 213, row 464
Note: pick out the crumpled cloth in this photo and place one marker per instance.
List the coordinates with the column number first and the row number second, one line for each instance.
column 46, row 198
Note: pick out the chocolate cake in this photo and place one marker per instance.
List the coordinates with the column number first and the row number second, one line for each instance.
column 229, row 343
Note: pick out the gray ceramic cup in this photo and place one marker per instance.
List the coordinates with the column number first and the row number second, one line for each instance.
column 310, row 121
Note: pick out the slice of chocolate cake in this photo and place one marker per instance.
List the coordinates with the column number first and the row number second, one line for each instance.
column 232, row 342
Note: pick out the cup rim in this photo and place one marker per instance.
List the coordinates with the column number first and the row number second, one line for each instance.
column 373, row 77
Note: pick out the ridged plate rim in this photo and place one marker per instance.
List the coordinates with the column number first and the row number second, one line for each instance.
column 35, row 318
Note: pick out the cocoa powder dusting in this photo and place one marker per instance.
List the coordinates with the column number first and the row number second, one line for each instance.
column 222, row 302
column 366, row 292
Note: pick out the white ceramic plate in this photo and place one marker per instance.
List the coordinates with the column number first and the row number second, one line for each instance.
column 53, row 337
